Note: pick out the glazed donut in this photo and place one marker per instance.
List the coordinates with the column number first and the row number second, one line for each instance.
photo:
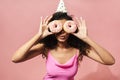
column 70, row 26
column 55, row 26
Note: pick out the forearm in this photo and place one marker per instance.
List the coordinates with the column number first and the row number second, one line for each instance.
column 103, row 53
column 23, row 50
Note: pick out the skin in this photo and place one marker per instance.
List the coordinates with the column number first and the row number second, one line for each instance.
column 62, row 53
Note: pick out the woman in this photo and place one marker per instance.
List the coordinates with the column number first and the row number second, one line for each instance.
column 62, row 50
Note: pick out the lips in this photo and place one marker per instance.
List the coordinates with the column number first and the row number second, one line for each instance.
column 62, row 37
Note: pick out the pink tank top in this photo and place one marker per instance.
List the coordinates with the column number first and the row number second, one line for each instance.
column 57, row 71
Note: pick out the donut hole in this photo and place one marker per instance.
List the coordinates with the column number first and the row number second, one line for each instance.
column 55, row 26
column 69, row 26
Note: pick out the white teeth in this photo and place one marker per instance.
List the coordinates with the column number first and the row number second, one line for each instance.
column 62, row 37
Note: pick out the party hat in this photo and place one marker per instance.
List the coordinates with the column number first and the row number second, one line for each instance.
column 61, row 7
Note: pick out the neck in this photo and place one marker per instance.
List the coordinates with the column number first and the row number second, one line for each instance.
column 62, row 45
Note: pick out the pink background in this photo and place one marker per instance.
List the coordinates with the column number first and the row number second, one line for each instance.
column 19, row 21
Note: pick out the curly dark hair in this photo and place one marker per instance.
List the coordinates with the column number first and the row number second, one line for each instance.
column 50, row 42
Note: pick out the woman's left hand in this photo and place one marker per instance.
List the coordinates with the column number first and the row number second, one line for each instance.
column 82, row 30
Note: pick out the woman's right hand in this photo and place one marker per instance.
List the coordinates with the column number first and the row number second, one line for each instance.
column 43, row 29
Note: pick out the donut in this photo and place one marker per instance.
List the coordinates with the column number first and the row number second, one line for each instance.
column 55, row 27
column 70, row 26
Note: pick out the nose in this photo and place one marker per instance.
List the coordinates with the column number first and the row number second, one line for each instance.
column 62, row 31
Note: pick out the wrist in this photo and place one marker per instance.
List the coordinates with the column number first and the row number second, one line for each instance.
column 38, row 36
column 85, row 39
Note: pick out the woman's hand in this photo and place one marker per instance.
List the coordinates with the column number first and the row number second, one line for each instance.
column 82, row 30
column 43, row 30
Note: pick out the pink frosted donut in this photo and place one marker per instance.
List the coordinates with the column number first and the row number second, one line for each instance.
column 70, row 26
column 55, row 26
